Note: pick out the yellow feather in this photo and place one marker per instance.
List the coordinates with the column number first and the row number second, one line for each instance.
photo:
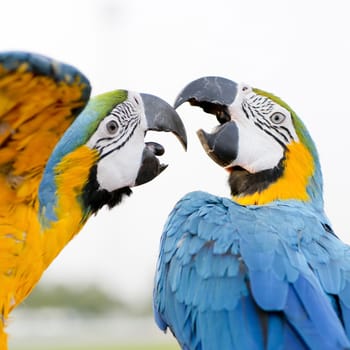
column 299, row 167
column 25, row 249
column 72, row 174
column 34, row 113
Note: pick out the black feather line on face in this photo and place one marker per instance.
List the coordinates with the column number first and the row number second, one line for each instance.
column 95, row 198
column 243, row 183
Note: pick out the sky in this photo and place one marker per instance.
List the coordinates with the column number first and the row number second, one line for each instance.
column 299, row 50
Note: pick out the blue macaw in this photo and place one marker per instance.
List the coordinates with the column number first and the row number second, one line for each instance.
column 63, row 156
column 262, row 269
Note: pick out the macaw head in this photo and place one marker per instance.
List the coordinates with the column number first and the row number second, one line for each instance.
column 104, row 152
column 260, row 141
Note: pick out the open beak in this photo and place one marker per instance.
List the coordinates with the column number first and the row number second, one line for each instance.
column 214, row 95
column 160, row 116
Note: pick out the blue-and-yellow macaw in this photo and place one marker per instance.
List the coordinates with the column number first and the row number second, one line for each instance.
column 62, row 158
column 263, row 269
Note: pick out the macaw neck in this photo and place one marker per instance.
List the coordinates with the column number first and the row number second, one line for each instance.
column 62, row 213
column 94, row 197
column 296, row 177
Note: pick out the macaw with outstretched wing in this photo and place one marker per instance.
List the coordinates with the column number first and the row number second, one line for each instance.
column 64, row 156
column 262, row 269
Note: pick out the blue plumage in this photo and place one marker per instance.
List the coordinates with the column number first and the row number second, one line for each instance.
column 262, row 270
column 227, row 278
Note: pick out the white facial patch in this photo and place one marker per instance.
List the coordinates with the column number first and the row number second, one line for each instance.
column 120, row 168
column 265, row 130
column 257, row 151
column 119, row 139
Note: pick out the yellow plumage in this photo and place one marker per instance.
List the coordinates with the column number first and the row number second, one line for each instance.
column 298, row 169
column 70, row 181
column 35, row 110
column 54, row 174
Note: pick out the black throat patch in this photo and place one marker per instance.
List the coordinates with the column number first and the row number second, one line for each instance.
column 95, row 198
column 242, row 182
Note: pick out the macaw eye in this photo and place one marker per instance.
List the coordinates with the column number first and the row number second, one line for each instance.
column 277, row 118
column 112, row 127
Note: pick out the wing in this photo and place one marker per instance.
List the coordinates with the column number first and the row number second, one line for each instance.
column 329, row 258
column 39, row 99
column 232, row 277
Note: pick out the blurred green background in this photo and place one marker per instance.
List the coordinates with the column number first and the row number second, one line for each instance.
column 57, row 317
column 112, row 347
column 115, row 347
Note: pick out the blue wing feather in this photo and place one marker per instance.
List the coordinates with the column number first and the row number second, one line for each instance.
column 260, row 282
column 235, row 277
column 42, row 65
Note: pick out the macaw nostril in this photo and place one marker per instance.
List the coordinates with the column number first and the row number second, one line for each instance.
column 155, row 148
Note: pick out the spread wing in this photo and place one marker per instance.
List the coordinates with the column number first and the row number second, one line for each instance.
column 232, row 277
column 39, row 99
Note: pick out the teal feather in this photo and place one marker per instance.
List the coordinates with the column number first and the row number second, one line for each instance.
column 255, row 277
column 226, row 282
column 76, row 135
column 58, row 72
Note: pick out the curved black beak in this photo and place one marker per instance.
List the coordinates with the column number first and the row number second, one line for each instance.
column 222, row 144
column 160, row 116
column 163, row 117
column 214, row 95
column 207, row 91
column 150, row 165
